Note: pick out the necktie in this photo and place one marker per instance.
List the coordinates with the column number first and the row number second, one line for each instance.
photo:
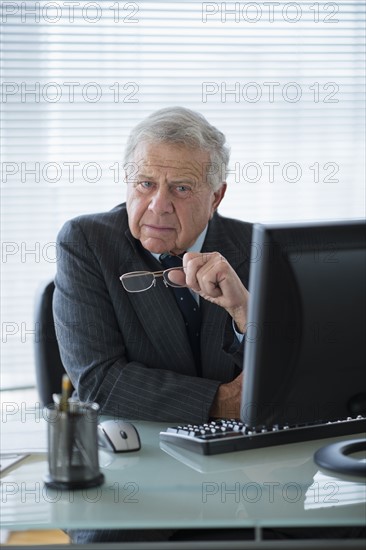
column 189, row 308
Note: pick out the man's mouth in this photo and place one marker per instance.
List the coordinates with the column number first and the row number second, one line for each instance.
column 158, row 228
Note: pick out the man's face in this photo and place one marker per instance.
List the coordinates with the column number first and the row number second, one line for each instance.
column 169, row 201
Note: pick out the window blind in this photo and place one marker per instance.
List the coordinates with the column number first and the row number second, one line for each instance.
column 283, row 80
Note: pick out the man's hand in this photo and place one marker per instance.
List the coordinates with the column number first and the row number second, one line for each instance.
column 212, row 277
column 228, row 399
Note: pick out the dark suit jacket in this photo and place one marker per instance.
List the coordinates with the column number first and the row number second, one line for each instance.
column 130, row 352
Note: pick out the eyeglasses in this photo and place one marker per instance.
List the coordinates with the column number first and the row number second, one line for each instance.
column 139, row 281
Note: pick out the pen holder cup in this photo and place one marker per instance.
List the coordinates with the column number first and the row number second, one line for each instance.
column 73, row 446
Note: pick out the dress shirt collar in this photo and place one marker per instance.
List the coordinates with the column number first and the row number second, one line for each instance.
column 196, row 247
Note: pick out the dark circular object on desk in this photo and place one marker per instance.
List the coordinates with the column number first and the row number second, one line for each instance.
column 70, row 485
column 335, row 457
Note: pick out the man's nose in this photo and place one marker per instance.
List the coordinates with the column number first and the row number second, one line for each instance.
column 161, row 201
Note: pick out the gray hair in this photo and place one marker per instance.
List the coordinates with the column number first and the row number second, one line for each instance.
column 178, row 125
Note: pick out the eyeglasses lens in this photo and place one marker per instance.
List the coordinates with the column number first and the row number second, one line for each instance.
column 137, row 283
column 175, row 277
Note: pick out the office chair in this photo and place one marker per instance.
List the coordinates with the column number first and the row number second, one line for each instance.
column 49, row 367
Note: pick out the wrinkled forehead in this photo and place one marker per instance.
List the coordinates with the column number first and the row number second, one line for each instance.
column 156, row 159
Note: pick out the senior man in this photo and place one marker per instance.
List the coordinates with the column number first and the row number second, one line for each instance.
column 130, row 347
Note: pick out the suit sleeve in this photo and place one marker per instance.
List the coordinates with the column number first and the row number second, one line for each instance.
column 94, row 353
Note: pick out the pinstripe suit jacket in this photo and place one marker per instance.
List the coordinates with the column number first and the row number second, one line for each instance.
column 130, row 352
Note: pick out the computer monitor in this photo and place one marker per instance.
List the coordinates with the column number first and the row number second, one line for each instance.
column 305, row 355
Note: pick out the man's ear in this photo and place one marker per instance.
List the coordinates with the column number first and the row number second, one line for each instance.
column 218, row 196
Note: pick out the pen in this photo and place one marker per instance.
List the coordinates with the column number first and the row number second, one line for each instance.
column 65, row 393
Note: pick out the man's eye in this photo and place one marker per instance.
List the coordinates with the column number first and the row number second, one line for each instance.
column 145, row 185
column 183, row 189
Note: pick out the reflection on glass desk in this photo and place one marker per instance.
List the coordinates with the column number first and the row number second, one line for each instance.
column 162, row 487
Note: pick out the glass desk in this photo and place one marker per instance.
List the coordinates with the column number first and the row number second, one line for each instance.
column 165, row 487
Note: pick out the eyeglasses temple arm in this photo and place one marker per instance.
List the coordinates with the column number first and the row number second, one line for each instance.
column 129, row 275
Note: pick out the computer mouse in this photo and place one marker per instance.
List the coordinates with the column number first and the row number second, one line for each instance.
column 118, row 436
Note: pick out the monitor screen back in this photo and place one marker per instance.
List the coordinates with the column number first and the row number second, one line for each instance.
column 305, row 351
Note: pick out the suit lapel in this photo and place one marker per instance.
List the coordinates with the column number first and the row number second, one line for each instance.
column 158, row 312
column 214, row 317
column 218, row 240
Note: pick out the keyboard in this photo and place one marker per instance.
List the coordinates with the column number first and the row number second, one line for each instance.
column 225, row 436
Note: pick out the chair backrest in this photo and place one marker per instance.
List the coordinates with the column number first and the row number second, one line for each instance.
column 49, row 367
